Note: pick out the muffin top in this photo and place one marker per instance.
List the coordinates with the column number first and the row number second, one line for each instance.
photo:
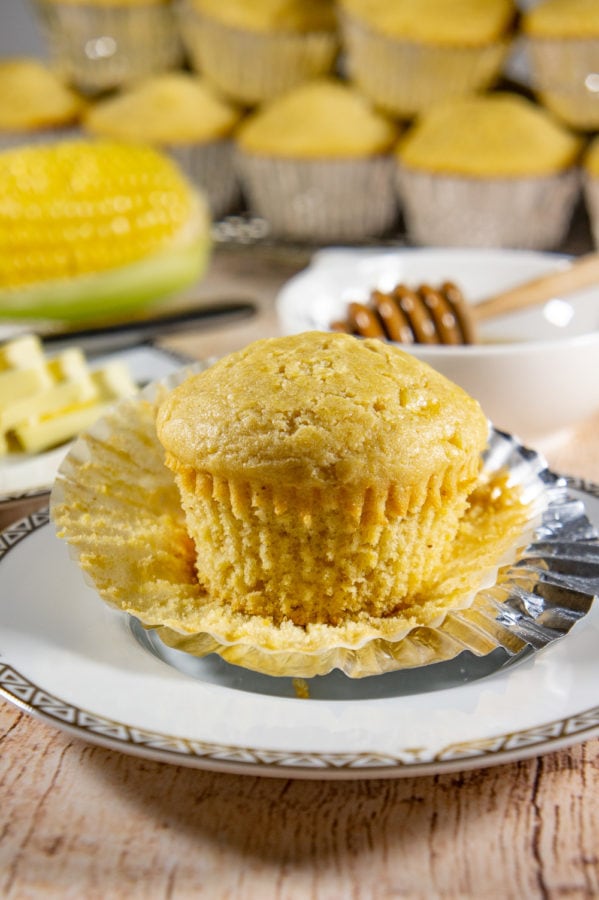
column 172, row 108
column 489, row 136
column 271, row 15
column 318, row 409
column 320, row 118
column 562, row 19
column 32, row 97
column 451, row 22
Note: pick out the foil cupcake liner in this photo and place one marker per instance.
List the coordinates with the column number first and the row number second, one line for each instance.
column 532, row 212
column 563, row 72
column 130, row 519
column 251, row 67
column 99, row 48
column 404, row 77
column 320, row 200
column 210, row 166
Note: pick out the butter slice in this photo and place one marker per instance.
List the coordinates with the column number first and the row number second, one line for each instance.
column 35, row 436
column 22, row 353
column 70, row 363
column 113, row 381
column 43, row 403
column 18, row 383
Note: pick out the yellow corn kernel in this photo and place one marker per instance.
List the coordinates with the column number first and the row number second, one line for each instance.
column 81, row 207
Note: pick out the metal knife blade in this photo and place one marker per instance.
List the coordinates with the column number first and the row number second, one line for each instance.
column 120, row 336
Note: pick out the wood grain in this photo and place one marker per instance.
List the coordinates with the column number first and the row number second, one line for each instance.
column 78, row 821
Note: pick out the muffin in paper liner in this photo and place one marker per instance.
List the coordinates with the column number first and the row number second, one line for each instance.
column 182, row 115
column 102, row 47
column 211, row 167
column 561, row 74
column 529, row 212
column 36, row 106
column 406, row 77
column 316, row 200
column 591, row 195
column 119, row 509
column 254, row 66
column 11, row 139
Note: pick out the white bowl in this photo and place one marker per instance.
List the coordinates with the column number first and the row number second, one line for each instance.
column 535, row 372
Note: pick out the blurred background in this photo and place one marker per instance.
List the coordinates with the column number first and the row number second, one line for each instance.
column 19, row 33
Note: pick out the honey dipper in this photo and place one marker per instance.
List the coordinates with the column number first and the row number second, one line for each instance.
column 428, row 315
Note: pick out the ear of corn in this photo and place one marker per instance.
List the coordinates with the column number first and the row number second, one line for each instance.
column 74, row 213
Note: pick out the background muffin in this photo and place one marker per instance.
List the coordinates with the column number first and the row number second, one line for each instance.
column 99, row 45
column 317, row 164
column 34, row 103
column 492, row 171
column 562, row 42
column 181, row 114
column 255, row 51
column 591, row 186
column 409, row 54
column 322, row 477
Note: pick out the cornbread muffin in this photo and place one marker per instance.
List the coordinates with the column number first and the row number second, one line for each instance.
column 34, row 103
column 562, row 44
column 183, row 115
column 256, row 51
column 410, row 54
column 322, row 477
column 316, row 163
column 492, row 170
column 100, row 45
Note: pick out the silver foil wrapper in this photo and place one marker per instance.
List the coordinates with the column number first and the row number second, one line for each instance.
column 406, row 77
column 533, row 597
column 210, row 166
column 531, row 212
column 99, row 48
column 252, row 66
column 564, row 73
column 320, row 200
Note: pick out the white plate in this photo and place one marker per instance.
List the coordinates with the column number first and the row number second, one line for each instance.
column 24, row 475
column 69, row 659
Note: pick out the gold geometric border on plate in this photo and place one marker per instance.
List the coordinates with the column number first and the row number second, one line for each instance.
column 18, row 689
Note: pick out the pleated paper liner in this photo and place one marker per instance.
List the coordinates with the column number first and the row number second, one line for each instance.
column 526, row 568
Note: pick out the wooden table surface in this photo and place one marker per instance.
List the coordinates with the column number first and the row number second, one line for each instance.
column 80, row 821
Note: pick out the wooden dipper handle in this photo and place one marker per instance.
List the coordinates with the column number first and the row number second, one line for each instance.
column 580, row 274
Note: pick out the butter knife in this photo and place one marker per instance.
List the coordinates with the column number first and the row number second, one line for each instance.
column 120, row 336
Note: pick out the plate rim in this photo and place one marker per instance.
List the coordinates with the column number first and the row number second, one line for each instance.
column 546, row 737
